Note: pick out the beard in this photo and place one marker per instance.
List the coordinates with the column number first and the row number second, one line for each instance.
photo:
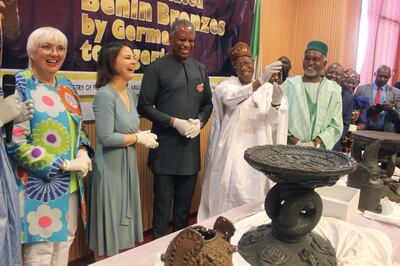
column 311, row 73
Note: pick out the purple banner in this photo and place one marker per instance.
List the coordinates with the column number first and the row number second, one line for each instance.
column 90, row 23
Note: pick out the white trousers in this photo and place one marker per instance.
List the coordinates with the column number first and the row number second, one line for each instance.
column 53, row 253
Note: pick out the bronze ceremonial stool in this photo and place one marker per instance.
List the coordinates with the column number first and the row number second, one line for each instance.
column 293, row 205
column 376, row 167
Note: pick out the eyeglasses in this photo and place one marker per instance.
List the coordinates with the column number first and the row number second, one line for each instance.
column 48, row 48
column 243, row 64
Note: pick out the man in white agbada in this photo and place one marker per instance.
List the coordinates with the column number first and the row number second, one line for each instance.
column 246, row 113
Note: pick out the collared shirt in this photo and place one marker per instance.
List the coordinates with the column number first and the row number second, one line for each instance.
column 378, row 124
column 382, row 96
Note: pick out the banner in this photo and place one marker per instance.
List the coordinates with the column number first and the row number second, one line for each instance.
column 90, row 23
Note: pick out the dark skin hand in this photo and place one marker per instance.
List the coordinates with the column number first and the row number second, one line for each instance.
column 387, row 107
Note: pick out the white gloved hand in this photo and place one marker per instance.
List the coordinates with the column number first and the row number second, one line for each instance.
column 194, row 129
column 269, row 70
column 9, row 109
column 305, row 144
column 277, row 94
column 26, row 111
column 83, row 155
column 77, row 165
column 181, row 126
column 147, row 139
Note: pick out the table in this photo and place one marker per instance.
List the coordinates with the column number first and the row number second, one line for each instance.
column 149, row 253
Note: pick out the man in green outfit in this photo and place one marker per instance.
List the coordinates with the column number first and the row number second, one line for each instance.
column 315, row 103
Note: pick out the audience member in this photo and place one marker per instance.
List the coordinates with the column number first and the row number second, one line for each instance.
column 335, row 72
column 384, row 101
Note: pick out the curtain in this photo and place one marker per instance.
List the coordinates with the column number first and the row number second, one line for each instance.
column 383, row 38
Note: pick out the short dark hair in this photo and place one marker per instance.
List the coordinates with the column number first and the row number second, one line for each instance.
column 181, row 23
column 106, row 61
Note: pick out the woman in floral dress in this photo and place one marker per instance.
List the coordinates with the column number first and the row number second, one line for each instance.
column 49, row 153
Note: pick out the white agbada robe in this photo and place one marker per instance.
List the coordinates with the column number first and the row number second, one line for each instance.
column 239, row 122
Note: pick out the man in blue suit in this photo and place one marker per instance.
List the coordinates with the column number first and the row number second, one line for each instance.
column 384, row 101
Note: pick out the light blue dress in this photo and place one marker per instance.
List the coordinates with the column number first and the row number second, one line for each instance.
column 10, row 246
column 115, row 220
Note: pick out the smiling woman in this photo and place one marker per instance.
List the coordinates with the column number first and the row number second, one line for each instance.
column 115, row 182
column 51, row 152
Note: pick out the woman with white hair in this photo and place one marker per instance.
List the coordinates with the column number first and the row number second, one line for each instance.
column 49, row 152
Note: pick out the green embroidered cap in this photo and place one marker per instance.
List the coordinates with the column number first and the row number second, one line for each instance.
column 318, row 46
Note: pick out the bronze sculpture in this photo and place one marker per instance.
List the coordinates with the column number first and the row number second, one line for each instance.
column 293, row 205
column 199, row 246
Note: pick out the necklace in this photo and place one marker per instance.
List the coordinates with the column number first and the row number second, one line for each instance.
column 51, row 84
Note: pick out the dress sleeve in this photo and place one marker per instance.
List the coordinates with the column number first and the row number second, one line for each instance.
column 38, row 161
column 104, row 112
column 333, row 132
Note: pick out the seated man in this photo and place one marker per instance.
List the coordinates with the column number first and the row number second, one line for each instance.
column 315, row 103
column 246, row 113
column 384, row 101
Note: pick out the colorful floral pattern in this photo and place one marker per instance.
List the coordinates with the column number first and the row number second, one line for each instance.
column 36, row 157
column 52, row 136
column 44, row 221
column 70, row 99
column 47, row 101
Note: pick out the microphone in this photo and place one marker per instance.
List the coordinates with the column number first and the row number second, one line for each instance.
column 8, row 89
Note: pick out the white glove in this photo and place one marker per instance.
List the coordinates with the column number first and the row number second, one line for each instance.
column 9, row 109
column 194, row 128
column 181, row 126
column 147, row 139
column 83, row 155
column 277, row 94
column 305, row 144
column 26, row 111
column 269, row 70
column 77, row 165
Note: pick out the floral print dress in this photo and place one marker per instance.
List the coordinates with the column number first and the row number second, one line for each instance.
column 38, row 149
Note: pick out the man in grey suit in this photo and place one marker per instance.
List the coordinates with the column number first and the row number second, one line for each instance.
column 384, row 101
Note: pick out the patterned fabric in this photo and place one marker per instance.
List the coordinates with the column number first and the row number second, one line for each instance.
column 38, row 149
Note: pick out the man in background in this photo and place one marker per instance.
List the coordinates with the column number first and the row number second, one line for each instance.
column 335, row 72
column 315, row 103
column 384, row 101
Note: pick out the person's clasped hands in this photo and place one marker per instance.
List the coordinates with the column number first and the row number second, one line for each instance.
column 188, row 128
column 81, row 164
column 147, row 139
column 12, row 109
column 269, row 70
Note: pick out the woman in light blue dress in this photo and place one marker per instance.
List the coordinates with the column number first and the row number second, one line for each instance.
column 115, row 220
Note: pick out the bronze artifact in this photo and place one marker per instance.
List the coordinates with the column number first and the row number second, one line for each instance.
column 367, row 179
column 293, row 205
column 198, row 246
column 385, row 158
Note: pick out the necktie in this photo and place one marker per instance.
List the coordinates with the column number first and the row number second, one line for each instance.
column 378, row 96
column 375, row 117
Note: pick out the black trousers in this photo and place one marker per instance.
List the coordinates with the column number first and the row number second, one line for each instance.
column 167, row 189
